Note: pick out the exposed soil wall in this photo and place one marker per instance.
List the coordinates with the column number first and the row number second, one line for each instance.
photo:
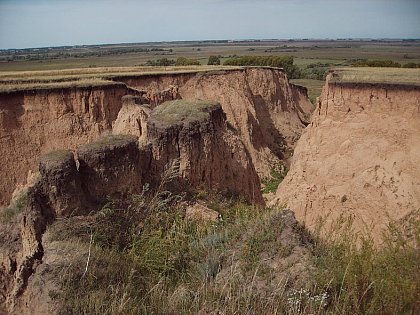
column 211, row 156
column 35, row 122
column 265, row 112
column 360, row 155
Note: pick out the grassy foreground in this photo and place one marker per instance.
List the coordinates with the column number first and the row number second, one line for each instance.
column 147, row 258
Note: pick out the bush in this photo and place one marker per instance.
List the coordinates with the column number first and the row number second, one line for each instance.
column 376, row 63
column 15, row 207
column 214, row 60
column 316, row 71
column 182, row 61
column 276, row 177
column 162, row 62
column 285, row 62
column 411, row 65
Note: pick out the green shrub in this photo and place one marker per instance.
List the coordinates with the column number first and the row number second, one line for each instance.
column 316, row 71
column 182, row 61
column 276, row 177
column 162, row 62
column 285, row 62
column 214, row 60
column 15, row 207
column 411, row 65
column 376, row 63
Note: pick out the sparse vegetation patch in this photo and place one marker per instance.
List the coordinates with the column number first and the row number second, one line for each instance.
column 377, row 75
column 182, row 111
column 276, row 177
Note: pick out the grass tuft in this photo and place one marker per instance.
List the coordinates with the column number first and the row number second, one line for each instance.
column 182, row 111
column 276, row 177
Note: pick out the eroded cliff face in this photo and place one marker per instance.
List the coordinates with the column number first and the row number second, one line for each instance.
column 264, row 112
column 107, row 168
column 211, row 156
column 360, row 155
column 35, row 122
column 233, row 126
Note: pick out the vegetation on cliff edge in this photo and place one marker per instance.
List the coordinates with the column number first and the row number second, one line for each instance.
column 147, row 258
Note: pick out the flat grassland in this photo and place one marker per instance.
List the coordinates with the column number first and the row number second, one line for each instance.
column 95, row 64
column 304, row 51
column 377, row 75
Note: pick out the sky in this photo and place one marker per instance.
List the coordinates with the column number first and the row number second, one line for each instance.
column 41, row 23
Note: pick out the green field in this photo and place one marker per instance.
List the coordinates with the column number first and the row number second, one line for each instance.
column 305, row 52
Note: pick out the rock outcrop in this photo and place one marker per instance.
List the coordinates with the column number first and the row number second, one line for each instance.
column 132, row 118
column 225, row 132
column 360, row 156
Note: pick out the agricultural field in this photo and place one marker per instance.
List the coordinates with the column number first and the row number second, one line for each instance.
column 313, row 57
column 20, row 80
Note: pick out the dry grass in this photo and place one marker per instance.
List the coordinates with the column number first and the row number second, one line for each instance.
column 148, row 259
column 108, row 141
column 378, row 75
column 8, row 88
column 14, row 81
column 181, row 112
column 172, row 266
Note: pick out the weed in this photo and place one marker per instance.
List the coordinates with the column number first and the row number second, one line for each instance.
column 276, row 177
column 148, row 259
column 16, row 207
column 363, row 278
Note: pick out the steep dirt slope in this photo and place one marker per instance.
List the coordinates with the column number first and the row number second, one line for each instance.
column 193, row 132
column 211, row 156
column 263, row 109
column 35, row 122
column 360, row 155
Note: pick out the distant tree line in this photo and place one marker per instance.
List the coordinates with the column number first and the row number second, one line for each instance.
column 162, row 62
column 285, row 62
column 43, row 54
column 384, row 63
column 165, row 62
